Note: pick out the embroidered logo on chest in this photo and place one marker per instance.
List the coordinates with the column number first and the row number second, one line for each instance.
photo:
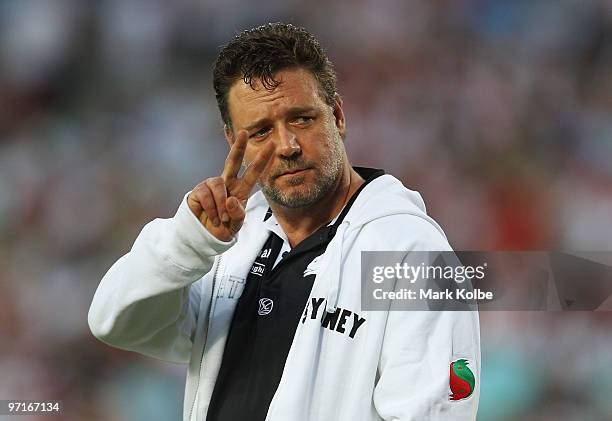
column 265, row 306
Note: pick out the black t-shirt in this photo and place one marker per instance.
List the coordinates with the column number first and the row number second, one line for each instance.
column 265, row 320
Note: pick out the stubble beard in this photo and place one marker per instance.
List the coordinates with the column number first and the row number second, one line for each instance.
column 327, row 173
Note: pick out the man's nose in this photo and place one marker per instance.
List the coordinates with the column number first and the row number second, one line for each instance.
column 288, row 143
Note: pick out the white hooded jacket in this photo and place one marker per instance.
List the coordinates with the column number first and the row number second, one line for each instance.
column 173, row 296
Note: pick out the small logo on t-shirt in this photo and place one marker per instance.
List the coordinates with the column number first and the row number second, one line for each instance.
column 265, row 306
column 313, row 266
column 258, row 269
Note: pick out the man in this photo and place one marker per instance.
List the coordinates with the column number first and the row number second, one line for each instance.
column 261, row 294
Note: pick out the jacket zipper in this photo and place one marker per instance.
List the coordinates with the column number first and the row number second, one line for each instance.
column 210, row 311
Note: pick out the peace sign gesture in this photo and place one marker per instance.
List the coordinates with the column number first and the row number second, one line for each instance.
column 219, row 202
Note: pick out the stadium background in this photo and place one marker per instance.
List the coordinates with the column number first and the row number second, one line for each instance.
column 499, row 112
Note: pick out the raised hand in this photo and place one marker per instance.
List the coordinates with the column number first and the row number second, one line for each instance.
column 219, row 202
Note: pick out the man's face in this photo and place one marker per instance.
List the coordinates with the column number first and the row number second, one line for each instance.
column 307, row 133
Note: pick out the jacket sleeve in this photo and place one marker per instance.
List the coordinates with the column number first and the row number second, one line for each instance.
column 414, row 367
column 418, row 350
column 149, row 299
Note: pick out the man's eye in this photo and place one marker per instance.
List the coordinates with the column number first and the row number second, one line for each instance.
column 303, row 120
column 260, row 133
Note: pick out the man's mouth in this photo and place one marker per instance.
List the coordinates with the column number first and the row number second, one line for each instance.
column 293, row 172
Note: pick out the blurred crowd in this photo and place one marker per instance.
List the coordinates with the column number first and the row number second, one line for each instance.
column 498, row 112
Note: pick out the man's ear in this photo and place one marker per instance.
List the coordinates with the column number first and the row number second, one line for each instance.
column 339, row 116
column 229, row 135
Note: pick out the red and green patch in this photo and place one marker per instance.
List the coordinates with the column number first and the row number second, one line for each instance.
column 462, row 380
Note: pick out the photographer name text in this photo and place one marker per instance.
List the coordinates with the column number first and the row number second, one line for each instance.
column 431, row 294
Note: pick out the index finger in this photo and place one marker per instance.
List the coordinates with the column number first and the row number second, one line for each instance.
column 233, row 162
column 256, row 167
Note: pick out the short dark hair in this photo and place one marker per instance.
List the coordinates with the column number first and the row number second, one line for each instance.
column 264, row 51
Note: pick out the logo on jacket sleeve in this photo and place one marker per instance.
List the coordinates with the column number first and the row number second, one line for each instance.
column 462, row 380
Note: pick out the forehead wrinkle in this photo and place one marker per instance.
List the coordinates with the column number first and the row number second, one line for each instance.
column 295, row 90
